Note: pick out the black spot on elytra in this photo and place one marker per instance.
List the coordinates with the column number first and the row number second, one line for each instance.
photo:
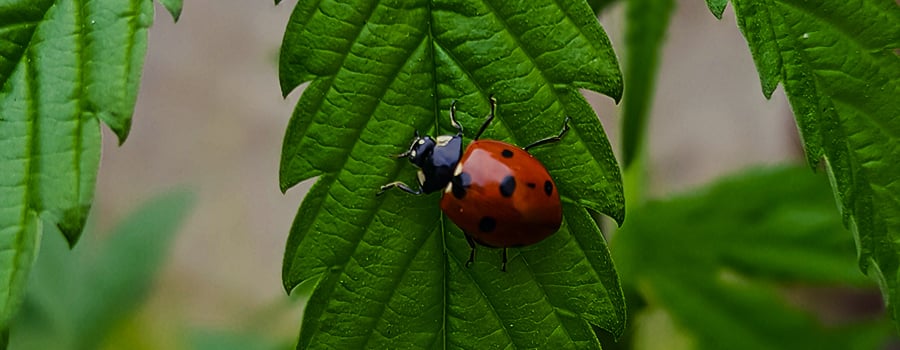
column 506, row 153
column 508, row 186
column 460, row 183
column 487, row 224
column 531, row 185
column 548, row 187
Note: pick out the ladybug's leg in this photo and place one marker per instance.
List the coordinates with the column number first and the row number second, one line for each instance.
column 553, row 139
column 503, row 261
column 399, row 185
column 489, row 119
column 472, row 251
column 453, row 121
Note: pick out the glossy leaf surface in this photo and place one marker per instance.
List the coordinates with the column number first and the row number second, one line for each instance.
column 839, row 66
column 390, row 270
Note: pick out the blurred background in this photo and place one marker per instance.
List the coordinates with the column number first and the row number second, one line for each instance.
column 210, row 117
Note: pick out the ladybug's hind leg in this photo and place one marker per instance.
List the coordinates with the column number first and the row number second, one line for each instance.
column 553, row 139
column 472, row 250
column 503, row 260
column 399, row 185
column 490, row 118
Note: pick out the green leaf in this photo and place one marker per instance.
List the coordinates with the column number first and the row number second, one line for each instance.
column 173, row 6
column 647, row 23
column 837, row 62
column 231, row 340
column 64, row 67
column 721, row 262
column 717, row 7
column 389, row 269
column 76, row 298
column 599, row 5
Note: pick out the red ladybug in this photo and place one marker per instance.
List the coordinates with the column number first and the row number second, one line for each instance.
column 497, row 193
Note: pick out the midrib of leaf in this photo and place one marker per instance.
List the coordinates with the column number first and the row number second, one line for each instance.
column 22, row 256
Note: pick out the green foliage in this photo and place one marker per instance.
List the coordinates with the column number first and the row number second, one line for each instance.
column 600, row 5
column 211, row 340
column 722, row 260
column 76, row 298
column 173, row 6
column 64, row 67
column 837, row 63
column 646, row 28
column 389, row 269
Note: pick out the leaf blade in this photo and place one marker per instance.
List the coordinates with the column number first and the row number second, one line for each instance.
column 65, row 66
column 648, row 21
column 723, row 268
column 367, row 95
column 836, row 62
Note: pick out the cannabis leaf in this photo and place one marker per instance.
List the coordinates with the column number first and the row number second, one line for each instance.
column 837, row 63
column 389, row 270
column 64, row 66
column 76, row 298
column 647, row 23
column 722, row 261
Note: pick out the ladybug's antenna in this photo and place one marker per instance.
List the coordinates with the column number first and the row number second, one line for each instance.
column 453, row 121
column 489, row 119
column 409, row 151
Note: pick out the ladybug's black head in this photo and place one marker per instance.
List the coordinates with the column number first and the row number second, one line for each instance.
column 420, row 150
column 436, row 159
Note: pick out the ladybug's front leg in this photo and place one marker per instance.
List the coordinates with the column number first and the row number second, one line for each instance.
column 399, row 185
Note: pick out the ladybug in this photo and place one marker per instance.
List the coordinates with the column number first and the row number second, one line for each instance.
column 497, row 193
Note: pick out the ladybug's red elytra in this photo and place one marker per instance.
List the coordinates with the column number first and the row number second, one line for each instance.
column 497, row 193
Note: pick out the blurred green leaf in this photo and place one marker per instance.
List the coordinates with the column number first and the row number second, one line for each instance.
column 837, row 61
column 600, row 5
column 722, row 260
column 64, row 66
column 717, row 7
column 75, row 298
column 173, row 6
column 390, row 269
column 647, row 23
column 229, row 340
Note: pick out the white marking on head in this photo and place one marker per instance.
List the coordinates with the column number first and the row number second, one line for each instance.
column 412, row 153
column 421, row 141
column 443, row 140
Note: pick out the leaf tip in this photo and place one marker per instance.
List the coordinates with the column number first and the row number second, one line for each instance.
column 717, row 7
column 72, row 223
column 284, row 184
column 174, row 7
